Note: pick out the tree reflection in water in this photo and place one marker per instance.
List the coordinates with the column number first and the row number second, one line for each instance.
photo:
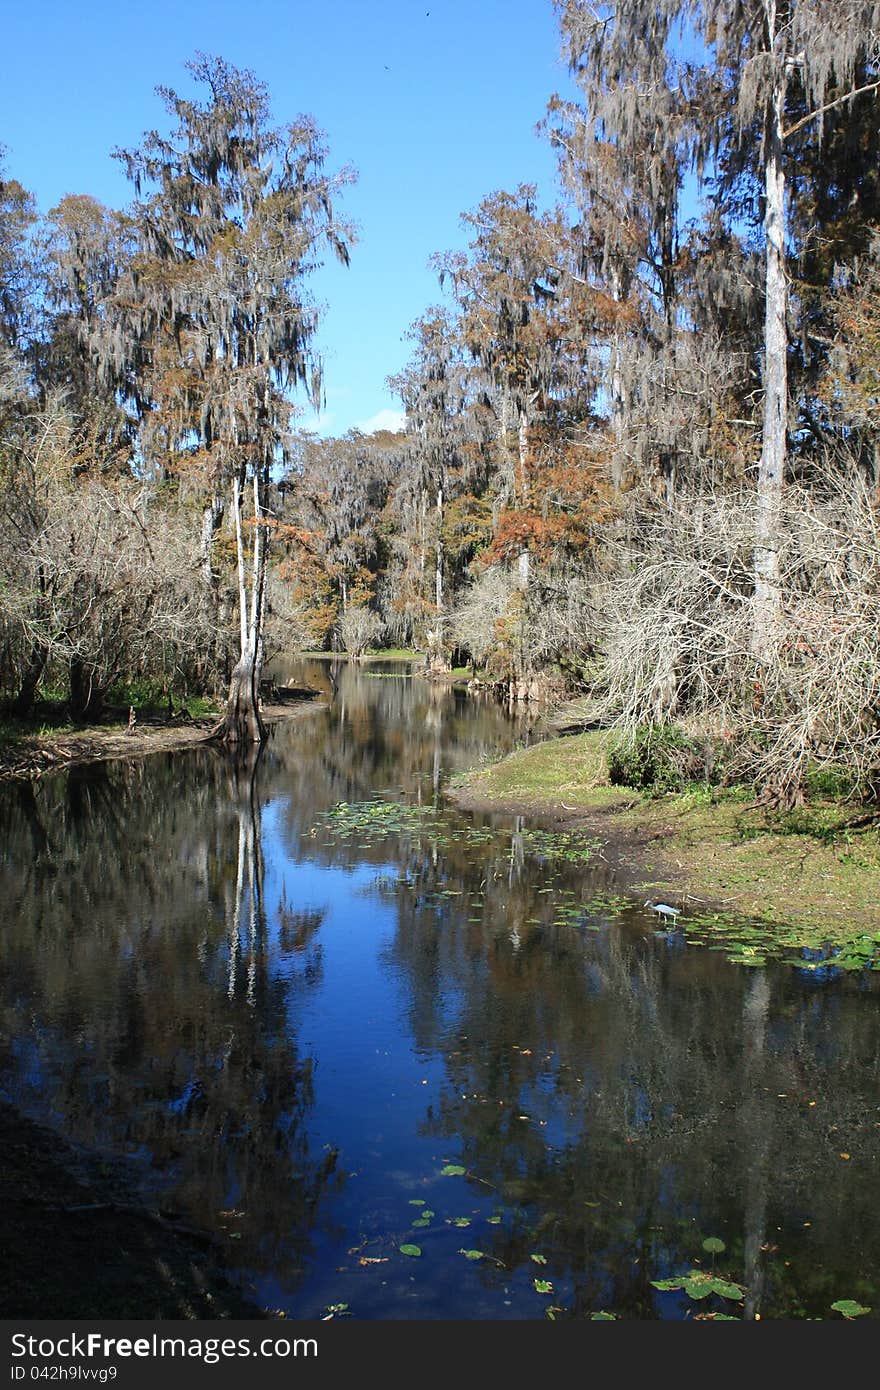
column 141, row 1008
column 293, row 1030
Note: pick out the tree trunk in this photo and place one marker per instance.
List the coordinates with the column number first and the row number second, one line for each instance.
column 86, row 699
column 523, row 455
column 615, row 388
column 438, row 556
column 212, row 517
column 771, row 470
column 242, row 722
column 24, row 700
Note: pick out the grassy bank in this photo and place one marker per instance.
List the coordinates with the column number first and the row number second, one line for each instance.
column 808, row 869
column 371, row 654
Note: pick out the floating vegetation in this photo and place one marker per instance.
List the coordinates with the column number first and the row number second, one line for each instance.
column 611, row 903
column 848, row 1308
column 564, row 845
column 374, row 819
column 743, row 941
column 698, row 1284
column 413, row 1250
column 746, row 942
column 336, row 1310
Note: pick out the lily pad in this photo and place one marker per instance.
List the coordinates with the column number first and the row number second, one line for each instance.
column 698, row 1284
column 410, row 1250
column 453, row 1170
column 849, row 1308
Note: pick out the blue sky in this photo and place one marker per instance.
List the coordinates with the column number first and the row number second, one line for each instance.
column 434, row 103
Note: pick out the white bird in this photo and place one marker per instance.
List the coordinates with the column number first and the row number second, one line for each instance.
column 663, row 910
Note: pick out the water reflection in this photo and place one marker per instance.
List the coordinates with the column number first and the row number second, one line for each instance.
column 142, row 1006
column 328, row 1039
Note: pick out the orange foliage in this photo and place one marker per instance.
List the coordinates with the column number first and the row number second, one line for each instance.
column 568, row 502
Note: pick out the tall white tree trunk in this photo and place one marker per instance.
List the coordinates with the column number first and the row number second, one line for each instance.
column 771, row 470
column 242, row 722
column 615, row 387
column 438, row 557
column 523, row 442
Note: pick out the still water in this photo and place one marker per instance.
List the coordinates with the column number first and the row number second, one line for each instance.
column 412, row 1063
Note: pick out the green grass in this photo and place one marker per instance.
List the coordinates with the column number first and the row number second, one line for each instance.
column 393, row 654
column 570, row 771
column 808, row 867
column 371, row 654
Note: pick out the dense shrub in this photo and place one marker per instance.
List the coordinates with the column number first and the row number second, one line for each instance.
column 662, row 758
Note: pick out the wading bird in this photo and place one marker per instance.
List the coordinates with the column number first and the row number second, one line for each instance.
column 664, row 910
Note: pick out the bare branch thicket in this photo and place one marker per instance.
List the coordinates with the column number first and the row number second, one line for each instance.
column 510, row 632
column 477, row 619
column 358, row 627
column 95, row 573
column 288, row 620
column 680, row 615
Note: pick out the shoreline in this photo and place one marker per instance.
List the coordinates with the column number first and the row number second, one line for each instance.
column 706, row 846
column 37, row 755
column 811, row 873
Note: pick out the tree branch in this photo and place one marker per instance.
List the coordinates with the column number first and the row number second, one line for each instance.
column 829, row 106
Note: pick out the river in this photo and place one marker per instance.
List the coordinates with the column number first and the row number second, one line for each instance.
column 408, row 1062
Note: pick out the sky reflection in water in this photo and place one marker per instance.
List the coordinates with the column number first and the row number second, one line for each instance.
column 292, row 1024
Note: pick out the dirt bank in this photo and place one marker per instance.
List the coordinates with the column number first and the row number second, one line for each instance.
column 32, row 755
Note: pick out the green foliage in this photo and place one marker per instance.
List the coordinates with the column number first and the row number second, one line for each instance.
column 661, row 758
column 833, row 782
column 145, row 693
